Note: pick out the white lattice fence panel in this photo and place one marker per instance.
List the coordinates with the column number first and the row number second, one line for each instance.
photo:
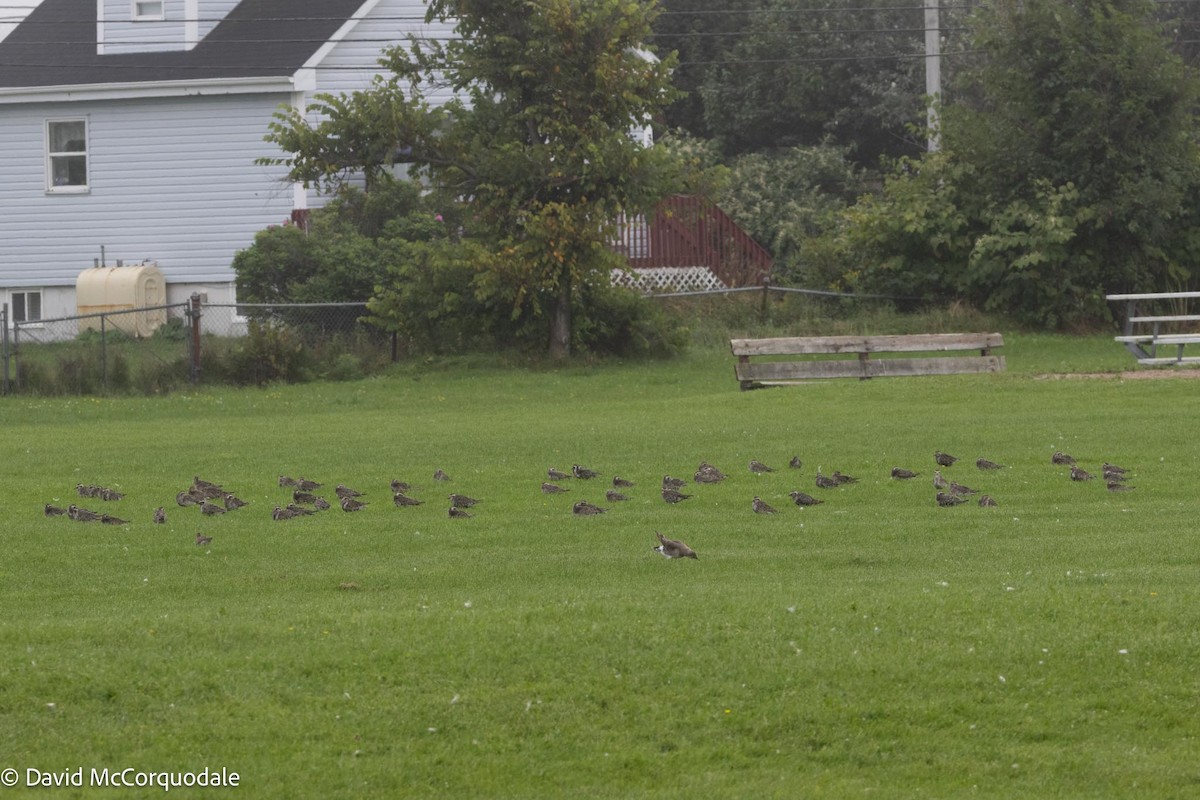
column 668, row 279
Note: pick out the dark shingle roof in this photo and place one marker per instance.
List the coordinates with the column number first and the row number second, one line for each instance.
column 55, row 45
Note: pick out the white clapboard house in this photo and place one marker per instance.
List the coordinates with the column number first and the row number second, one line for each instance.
column 129, row 131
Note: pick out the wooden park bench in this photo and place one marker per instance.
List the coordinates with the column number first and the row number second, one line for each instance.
column 857, row 357
column 1147, row 328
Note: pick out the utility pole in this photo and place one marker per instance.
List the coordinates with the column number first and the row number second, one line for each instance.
column 933, row 71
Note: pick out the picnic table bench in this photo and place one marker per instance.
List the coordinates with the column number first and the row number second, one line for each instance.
column 1145, row 332
column 903, row 355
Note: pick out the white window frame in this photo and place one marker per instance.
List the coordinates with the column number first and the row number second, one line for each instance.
column 12, row 307
column 51, row 155
column 141, row 10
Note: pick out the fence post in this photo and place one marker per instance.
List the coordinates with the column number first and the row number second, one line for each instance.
column 193, row 313
column 104, row 353
column 766, row 289
column 4, row 344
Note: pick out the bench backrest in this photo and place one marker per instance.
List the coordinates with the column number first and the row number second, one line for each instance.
column 762, row 373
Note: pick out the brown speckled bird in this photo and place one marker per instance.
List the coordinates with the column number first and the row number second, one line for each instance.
column 760, row 506
column 938, row 481
column 280, row 514
column 983, row 463
column 673, row 483
column 1062, row 458
column 108, row 519
column 211, row 509
column 399, row 486
column 944, row 459
column 1117, row 486
column 350, row 504
column 1078, row 474
column 342, row 490
column 802, row 499
column 202, row 540
column 621, row 483
column 671, row 548
column 321, row 504
column 843, row 479
column 284, row 480
column 160, row 516
column 454, row 512
column 903, row 474
column 946, row 500
column 54, row 511
column 557, row 474
column 305, row 485
column 959, row 489
column 986, row 501
column 585, row 509
column 552, row 488
column 795, row 462
column 583, row 472
column 613, row 496
column 758, row 467
column 401, row 500
column 825, row 482
column 461, row 500
column 304, row 497
column 674, row 496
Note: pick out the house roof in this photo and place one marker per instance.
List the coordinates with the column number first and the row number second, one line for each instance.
column 56, row 45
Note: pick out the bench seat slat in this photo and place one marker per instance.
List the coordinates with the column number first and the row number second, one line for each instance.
column 1169, row 318
column 781, row 371
column 815, row 345
column 1177, row 338
column 1191, row 359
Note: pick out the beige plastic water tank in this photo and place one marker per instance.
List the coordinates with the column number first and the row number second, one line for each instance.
column 100, row 290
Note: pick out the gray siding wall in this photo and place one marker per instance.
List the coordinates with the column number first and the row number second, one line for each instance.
column 171, row 181
column 124, row 35
column 353, row 62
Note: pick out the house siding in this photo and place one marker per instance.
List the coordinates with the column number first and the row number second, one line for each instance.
column 122, row 34
column 166, row 185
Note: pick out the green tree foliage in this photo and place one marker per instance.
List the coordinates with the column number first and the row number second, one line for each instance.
column 768, row 74
column 347, row 249
column 1069, row 169
column 786, row 199
column 535, row 140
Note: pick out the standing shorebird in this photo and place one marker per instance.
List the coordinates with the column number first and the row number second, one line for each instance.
column 938, row 481
column 671, row 548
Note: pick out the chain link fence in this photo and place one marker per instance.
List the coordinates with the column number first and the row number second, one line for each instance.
column 158, row 349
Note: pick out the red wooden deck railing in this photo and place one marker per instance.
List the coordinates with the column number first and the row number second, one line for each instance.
column 689, row 231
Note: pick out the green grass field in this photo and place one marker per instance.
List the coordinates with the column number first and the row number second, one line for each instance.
column 876, row 645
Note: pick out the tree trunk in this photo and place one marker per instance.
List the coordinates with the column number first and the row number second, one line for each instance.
column 560, row 320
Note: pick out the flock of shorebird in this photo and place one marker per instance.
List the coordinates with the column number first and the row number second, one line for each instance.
column 212, row 499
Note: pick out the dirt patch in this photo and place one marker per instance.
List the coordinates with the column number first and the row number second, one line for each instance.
column 1139, row 375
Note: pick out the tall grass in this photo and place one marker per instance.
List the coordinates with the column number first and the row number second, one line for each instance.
column 874, row 644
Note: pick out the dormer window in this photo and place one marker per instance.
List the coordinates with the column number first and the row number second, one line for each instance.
column 148, row 9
